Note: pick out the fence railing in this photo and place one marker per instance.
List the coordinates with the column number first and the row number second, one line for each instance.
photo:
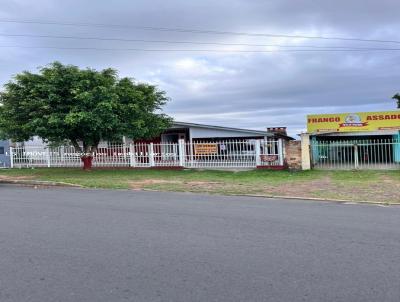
column 356, row 154
column 198, row 154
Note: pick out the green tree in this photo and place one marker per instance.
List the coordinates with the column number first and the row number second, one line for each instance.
column 65, row 104
column 397, row 97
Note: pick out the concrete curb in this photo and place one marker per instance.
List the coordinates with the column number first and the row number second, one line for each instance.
column 346, row 201
column 38, row 183
column 44, row 183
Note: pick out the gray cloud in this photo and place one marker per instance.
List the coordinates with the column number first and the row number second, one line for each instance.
column 252, row 90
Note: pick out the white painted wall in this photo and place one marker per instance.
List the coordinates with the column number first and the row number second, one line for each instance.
column 197, row 132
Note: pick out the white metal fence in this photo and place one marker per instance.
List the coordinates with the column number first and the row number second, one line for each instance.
column 199, row 154
column 356, row 154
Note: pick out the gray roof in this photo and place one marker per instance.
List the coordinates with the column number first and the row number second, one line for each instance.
column 250, row 132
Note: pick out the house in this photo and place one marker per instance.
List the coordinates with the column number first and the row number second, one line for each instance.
column 193, row 132
column 196, row 142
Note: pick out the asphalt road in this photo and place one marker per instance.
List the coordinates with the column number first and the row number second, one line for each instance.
column 61, row 245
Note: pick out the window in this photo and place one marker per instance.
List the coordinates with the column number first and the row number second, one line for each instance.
column 1, row 150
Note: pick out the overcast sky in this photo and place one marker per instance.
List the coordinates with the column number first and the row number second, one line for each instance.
column 238, row 89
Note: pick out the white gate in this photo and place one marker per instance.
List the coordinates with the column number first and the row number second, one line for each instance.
column 198, row 154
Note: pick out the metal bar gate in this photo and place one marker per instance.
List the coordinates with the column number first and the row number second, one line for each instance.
column 356, row 154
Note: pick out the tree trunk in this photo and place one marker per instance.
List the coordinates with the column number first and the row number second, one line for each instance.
column 87, row 162
column 87, row 152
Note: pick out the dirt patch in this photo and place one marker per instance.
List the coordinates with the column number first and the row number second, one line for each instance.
column 203, row 185
column 188, row 185
column 140, row 184
column 386, row 189
column 300, row 188
column 383, row 189
column 8, row 177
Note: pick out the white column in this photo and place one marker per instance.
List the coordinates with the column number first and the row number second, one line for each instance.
column 305, row 152
column 62, row 157
column 123, row 150
column 280, row 151
column 190, row 146
column 181, row 150
column 191, row 151
column 48, row 157
column 132, row 157
column 355, row 156
column 258, row 152
column 11, row 157
column 151, row 155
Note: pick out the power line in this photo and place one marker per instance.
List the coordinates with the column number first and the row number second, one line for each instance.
column 200, row 50
column 181, row 42
column 196, row 31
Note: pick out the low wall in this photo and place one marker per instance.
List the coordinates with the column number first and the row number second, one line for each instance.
column 293, row 155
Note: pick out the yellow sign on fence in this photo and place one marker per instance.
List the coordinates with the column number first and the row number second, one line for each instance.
column 360, row 121
column 205, row 149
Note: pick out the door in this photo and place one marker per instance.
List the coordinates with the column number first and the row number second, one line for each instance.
column 172, row 138
column 170, row 148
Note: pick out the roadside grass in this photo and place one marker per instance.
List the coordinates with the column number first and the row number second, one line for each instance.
column 122, row 178
column 349, row 185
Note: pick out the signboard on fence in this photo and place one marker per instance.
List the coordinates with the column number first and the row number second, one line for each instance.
column 205, row 149
column 269, row 158
column 350, row 122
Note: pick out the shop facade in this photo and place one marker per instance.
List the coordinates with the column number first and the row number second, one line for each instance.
column 362, row 140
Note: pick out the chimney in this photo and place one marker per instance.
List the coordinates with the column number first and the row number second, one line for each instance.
column 277, row 130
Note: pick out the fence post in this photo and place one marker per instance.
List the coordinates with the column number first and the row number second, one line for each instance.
column 62, row 157
column 355, row 156
column 132, row 157
column 191, row 151
column 125, row 158
column 151, row 155
column 11, row 157
column 181, row 148
column 48, row 157
column 280, row 151
column 258, row 153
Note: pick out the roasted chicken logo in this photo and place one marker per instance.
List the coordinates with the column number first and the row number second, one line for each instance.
column 353, row 120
